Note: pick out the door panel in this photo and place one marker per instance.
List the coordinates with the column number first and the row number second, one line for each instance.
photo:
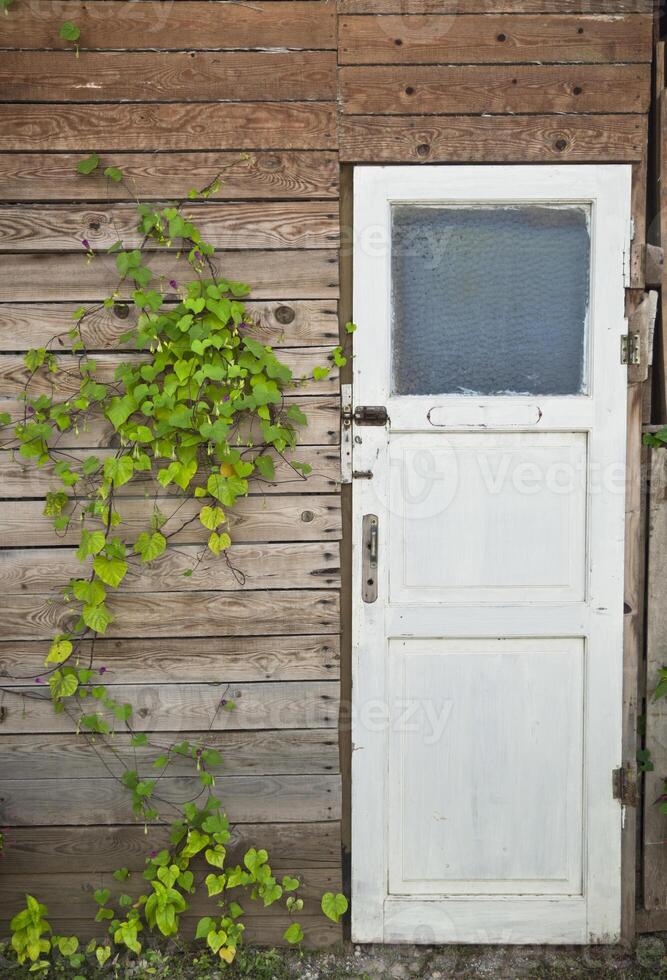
column 510, row 507
column 485, row 762
column 487, row 672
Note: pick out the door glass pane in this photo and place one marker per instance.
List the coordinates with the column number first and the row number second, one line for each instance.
column 489, row 300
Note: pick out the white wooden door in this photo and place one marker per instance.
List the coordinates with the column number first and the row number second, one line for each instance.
column 487, row 671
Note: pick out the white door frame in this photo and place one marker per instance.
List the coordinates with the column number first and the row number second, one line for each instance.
column 593, row 915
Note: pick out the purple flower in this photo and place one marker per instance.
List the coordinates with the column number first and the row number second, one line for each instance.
column 198, row 256
column 102, row 670
column 39, row 680
column 173, row 284
column 85, row 243
column 244, row 326
column 223, row 702
column 153, row 854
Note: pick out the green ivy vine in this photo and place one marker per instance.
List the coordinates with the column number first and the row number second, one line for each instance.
column 199, row 409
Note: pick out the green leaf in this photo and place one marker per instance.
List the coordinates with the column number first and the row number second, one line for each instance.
column 114, row 173
column 91, row 543
column 69, row 32
column 211, row 517
column 59, row 651
column 102, row 896
column 119, row 410
column 350, row 327
column 5, row 418
column 67, row 945
column 90, row 163
column 150, row 546
column 91, row 592
column 661, row 688
column 90, row 466
column 119, row 470
column 265, row 467
column 218, row 542
column 102, row 953
column 334, row 906
column 215, row 856
column 110, row 570
column 97, row 618
column 63, row 685
column 321, row 372
column 295, row 414
column 204, row 926
column 293, row 934
column 214, row 884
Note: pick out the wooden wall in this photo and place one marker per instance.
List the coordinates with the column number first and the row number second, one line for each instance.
column 172, row 108
column 170, row 92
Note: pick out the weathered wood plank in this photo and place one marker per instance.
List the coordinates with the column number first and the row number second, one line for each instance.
column 655, row 822
column 484, row 139
column 308, row 324
column 248, row 799
column 154, row 176
column 244, row 753
column 290, row 275
column 174, row 126
column 495, row 6
column 157, row 76
column 99, row 849
column 174, row 661
column 319, row 932
column 464, row 89
column 252, row 519
column 322, row 428
column 175, row 613
column 272, row 224
column 244, row 567
column 455, row 39
column 14, row 375
column 152, row 24
column 190, row 707
column 72, row 892
column 324, row 478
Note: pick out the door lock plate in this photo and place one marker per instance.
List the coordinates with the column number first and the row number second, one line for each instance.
column 369, row 558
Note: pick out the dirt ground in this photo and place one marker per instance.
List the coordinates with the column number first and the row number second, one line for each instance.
column 647, row 961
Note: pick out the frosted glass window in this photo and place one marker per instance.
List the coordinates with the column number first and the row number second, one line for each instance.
column 489, row 300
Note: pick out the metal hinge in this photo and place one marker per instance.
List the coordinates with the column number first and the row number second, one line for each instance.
column 630, row 348
column 624, row 785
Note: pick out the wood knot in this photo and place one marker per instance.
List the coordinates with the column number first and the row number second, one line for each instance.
column 121, row 310
column 501, row 37
column 560, row 144
column 307, row 516
column 284, row 314
column 423, row 150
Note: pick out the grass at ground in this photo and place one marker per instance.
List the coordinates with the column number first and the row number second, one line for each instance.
column 646, row 961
